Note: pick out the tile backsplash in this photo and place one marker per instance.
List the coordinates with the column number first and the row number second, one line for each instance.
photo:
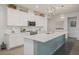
column 17, row 29
column 13, row 29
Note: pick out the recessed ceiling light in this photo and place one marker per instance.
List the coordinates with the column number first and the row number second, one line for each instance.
column 62, row 16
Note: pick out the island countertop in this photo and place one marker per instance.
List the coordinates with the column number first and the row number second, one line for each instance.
column 44, row 37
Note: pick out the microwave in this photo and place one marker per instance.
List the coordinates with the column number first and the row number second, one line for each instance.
column 31, row 23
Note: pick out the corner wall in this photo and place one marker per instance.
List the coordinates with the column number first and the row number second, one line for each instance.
column 2, row 22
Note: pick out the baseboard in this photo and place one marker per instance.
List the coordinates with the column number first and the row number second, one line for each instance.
column 72, row 37
column 15, row 47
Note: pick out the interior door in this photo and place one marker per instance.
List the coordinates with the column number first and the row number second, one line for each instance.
column 72, row 27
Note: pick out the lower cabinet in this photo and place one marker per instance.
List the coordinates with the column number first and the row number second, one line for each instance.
column 14, row 40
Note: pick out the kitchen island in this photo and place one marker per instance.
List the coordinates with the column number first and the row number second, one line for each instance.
column 44, row 43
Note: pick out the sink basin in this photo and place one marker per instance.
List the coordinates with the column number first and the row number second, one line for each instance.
column 48, row 33
column 33, row 33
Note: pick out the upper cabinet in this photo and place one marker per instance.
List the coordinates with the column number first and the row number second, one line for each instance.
column 19, row 18
column 16, row 17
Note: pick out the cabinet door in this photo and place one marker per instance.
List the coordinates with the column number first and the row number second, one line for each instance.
column 12, row 41
column 23, row 18
column 16, row 17
column 31, row 17
column 15, row 40
column 12, row 17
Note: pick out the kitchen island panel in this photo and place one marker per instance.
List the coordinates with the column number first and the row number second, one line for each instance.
column 48, row 47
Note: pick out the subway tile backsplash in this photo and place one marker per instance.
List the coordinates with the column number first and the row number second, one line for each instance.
column 17, row 29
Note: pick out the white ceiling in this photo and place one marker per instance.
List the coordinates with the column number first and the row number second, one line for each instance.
column 68, row 8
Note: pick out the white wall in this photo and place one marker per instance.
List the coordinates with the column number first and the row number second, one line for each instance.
column 51, row 24
column 2, row 22
column 55, row 22
column 41, row 21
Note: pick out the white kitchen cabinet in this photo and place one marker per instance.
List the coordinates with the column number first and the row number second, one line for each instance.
column 19, row 18
column 23, row 18
column 14, row 40
column 31, row 17
column 12, row 17
column 16, row 17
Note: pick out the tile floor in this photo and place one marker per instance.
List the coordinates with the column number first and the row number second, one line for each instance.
column 71, row 47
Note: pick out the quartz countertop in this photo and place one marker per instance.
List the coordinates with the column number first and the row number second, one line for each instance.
column 44, row 37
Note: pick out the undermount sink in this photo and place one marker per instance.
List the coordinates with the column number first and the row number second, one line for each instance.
column 48, row 33
column 33, row 33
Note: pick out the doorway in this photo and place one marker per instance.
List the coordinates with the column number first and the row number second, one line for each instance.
column 72, row 27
